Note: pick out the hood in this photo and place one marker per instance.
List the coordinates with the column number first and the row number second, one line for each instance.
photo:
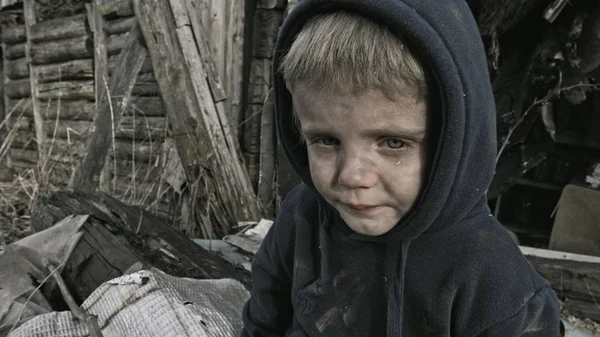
column 446, row 36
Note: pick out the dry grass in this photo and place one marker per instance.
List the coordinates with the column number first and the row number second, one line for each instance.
column 153, row 183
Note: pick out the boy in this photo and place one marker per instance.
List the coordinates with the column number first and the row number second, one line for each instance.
column 385, row 111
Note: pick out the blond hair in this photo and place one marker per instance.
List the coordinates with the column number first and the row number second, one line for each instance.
column 342, row 52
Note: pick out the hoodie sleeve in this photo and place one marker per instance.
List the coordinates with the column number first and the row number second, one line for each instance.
column 269, row 311
column 539, row 317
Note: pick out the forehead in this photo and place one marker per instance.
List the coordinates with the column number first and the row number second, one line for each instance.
column 370, row 109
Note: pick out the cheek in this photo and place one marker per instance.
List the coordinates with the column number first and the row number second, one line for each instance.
column 321, row 170
column 407, row 178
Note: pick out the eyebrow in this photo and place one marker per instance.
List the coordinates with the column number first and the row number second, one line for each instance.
column 313, row 131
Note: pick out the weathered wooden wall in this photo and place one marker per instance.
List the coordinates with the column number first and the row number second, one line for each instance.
column 68, row 78
column 63, row 59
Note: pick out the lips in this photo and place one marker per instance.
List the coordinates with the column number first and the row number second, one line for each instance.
column 362, row 208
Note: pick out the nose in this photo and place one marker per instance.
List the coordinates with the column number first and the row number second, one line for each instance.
column 355, row 170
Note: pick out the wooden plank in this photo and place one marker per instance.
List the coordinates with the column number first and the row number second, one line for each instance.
column 217, row 37
column 113, row 61
column 259, row 82
column 100, row 54
column 14, row 51
column 63, row 50
column 110, row 110
column 252, row 128
column 186, row 91
column 234, row 68
column 17, row 69
column 266, row 26
column 570, row 276
column 67, row 90
column 99, row 259
column 268, row 156
column 85, row 109
column 14, row 34
column 150, row 129
column 216, row 121
column 115, row 43
column 29, row 14
column 271, row 4
column 60, row 28
column 202, row 40
column 118, row 7
column 3, row 99
column 119, row 26
column 66, row 71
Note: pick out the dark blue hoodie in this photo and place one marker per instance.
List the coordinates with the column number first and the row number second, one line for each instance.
column 447, row 269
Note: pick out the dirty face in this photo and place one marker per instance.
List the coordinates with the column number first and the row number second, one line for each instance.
column 367, row 154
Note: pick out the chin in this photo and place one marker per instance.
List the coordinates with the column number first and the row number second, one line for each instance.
column 369, row 228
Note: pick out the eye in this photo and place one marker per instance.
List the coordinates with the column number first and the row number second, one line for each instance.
column 329, row 141
column 395, row 143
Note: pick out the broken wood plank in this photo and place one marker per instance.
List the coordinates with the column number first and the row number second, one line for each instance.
column 572, row 276
column 60, row 28
column 14, row 34
column 134, row 234
column 200, row 139
column 63, row 50
column 110, row 110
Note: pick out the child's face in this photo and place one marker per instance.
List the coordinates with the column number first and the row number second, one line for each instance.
column 368, row 155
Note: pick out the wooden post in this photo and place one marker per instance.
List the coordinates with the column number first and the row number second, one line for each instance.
column 100, row 73
column 235, row 61
column 111, row 107
column 206, row 149
column 268, row 156
column 30, row 20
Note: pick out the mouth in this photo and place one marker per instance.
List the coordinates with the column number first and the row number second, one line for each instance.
column 362, row 208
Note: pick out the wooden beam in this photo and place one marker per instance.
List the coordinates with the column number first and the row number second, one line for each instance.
column 119, row 26
column 15, row 51
column 63, row 50
column 111, row 108
column 234, row 68
column 74, row 69
column 13, row 35
column 197, row 123
column 268, row 156
column 575, row 278
column 117, row 234
column 142, row 107
column 30, row 20
column 59, row 29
